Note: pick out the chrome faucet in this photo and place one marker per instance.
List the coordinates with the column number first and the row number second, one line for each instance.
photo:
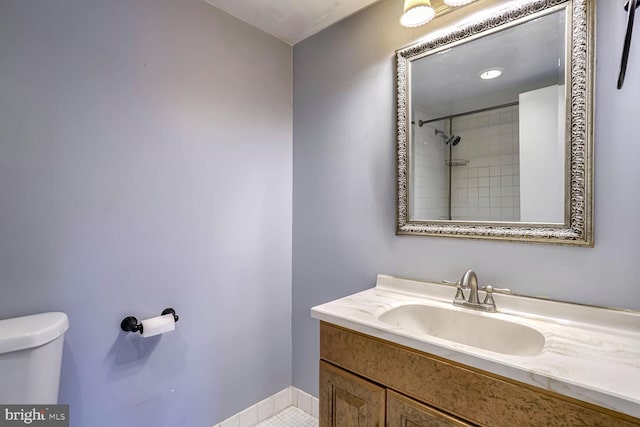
column 469, row 281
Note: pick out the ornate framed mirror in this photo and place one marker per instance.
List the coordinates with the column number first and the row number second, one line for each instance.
column 495, row 127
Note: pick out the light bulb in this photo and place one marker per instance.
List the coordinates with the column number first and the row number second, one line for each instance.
column 416, row 13
column 456, row 3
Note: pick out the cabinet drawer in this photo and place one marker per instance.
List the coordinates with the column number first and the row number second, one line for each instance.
column 405, row 412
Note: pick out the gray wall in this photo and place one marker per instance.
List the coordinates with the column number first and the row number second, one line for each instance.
column 344, row 183
column 145, row 162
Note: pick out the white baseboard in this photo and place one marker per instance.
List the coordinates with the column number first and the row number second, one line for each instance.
column 270, row 406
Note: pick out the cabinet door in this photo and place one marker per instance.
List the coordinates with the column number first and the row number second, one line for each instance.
column 405, row 412
column 349, row 401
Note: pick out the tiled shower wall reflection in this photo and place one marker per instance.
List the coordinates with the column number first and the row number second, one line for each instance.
column 487, row 188
column 430, row 177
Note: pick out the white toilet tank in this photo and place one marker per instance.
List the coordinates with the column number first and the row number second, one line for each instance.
column 31, row 358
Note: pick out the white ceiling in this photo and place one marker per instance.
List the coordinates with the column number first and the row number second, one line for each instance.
column 291, row 20
column 532, row 56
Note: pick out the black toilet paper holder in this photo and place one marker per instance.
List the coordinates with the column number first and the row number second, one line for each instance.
column 130, row 323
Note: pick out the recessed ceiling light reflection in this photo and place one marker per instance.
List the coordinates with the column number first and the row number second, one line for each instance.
column 491, row 73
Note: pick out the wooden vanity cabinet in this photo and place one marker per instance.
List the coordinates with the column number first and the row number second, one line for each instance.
column 369, row 382
column 347, row 400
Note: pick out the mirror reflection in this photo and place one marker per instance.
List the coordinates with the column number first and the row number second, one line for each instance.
column 488, row 127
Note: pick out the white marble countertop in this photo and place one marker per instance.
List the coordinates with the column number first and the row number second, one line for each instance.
column 590, row 353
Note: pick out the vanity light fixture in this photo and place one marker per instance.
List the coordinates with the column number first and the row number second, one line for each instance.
column 456, row 3
column 491, row 73
column 416, row 13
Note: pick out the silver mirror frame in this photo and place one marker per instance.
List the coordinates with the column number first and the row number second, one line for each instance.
column 578, row 227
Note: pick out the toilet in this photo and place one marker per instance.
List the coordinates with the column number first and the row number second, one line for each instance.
column 31, row 357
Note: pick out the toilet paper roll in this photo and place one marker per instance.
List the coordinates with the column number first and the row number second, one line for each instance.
column 158, row 325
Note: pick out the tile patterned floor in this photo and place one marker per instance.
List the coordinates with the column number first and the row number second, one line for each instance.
column 290, row 417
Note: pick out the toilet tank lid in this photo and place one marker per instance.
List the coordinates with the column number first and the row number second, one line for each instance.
column 32, row 331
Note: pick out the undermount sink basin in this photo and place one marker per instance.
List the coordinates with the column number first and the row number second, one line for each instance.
column 468, row 328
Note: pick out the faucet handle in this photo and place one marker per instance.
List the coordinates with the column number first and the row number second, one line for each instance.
column 490, row 289
column 488, row 299
column 459, row 294
column 449, row 282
